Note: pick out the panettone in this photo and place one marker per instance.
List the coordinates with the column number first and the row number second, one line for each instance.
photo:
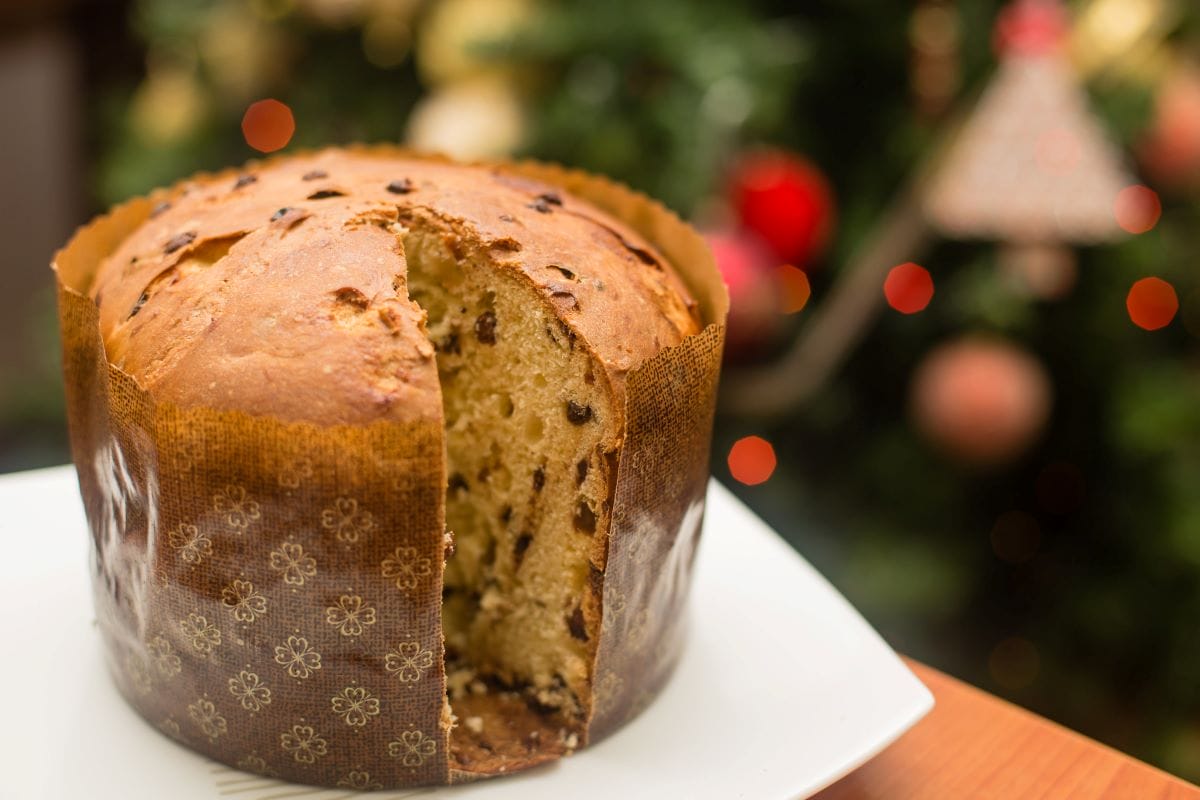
column 392, row 462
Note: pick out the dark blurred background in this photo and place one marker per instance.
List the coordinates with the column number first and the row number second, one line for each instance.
column 961, row 238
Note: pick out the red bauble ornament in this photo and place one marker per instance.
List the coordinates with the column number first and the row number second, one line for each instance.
column 747, row 267
column 786, row 201
column 980, row 401
column 1031, row 27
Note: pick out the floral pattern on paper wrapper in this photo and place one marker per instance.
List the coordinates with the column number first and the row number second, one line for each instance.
column 406, row 566
column 246, row 603
column 293, row 564
column 408, row 661
column 236, row 508
column 250, row 691
column 350, row 615
column 203, row 635
column 303, row 743
column 300, row 659
column 191, row 545
column 355, row 706
column 412, row 748
column 347, row 521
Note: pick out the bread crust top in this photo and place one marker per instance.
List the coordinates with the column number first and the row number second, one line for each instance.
column 283, row 291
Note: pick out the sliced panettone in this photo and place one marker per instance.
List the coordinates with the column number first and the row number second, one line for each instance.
column 349, row 288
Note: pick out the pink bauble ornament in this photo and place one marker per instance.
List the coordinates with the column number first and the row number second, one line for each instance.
column 980, row 401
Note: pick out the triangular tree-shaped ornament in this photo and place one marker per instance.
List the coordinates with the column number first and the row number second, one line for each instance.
column 1032, row 166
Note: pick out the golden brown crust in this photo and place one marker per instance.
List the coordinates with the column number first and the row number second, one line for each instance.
column 282, row 293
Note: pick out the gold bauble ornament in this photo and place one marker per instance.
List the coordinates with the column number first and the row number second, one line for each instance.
column 476, row 118
column 167, row 105
column 1122, row 38
column 243, row 54
column 452, row 32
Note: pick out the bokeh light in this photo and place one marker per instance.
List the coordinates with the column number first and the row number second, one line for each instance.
column 268, row 125
column 1060, row 488
column 1015, row 537
column 1152, row 303
column 1137, row 209
column 1014, row 663
column 751, row 460
column 794, row 289
column 386, row 41
column 908, row 288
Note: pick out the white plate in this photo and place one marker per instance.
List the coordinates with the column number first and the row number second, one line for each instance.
column 782, row 688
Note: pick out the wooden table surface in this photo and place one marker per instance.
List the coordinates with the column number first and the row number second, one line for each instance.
column 973, row 745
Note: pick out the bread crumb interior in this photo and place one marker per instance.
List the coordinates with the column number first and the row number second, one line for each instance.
column 526, row 421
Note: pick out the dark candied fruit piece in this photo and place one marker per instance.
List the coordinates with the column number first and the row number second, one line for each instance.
column 325, row 194
column 585, row 518
column 244, row 180
column 539, row 479
column 540, row 205
column 289, row 216
column 456, row 482
column 540, row 708
column 519, row 547
column 178, row 241
column 581, row 471
column 485, row 327
column 141, row 301
column 449, row 345
column 576, row 625
column 643, row 255
column 578, row 414
column 567, row 332
column 550, row 197
column 402, row 186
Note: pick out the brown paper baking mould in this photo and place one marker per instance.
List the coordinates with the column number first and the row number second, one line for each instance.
column 269, row 593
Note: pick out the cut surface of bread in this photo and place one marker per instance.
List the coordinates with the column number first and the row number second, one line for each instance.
column 526, row 421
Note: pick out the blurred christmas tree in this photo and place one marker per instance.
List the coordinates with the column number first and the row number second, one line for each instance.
column 994, row 453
